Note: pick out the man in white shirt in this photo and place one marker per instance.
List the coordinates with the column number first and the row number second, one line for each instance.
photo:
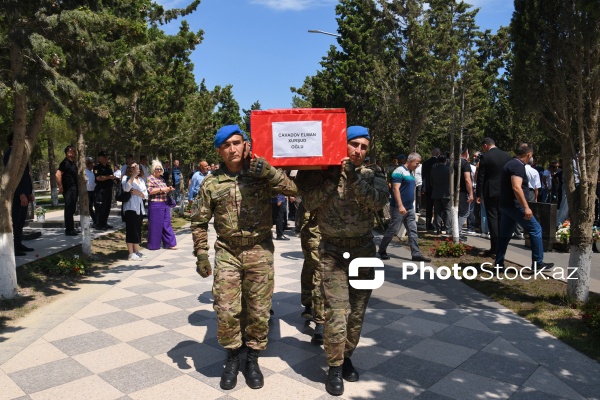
column 90, row 187
column 419, row 185
column 534, row 181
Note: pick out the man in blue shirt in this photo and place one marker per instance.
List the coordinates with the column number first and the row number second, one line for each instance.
column 197, row 179
column 402, row 210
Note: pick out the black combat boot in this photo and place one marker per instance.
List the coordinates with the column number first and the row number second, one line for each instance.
column 335, row 383
column 229, row 376
column 318, row 334
column 348, row 371
column 254, row 378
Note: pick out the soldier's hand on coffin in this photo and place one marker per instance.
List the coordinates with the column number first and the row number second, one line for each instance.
column 260, row 168
column 349, row 169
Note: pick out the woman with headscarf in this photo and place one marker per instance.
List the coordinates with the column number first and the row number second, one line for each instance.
column 159, row 212
column 133, row 210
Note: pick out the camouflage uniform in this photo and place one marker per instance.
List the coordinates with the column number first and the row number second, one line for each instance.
column 345, row 219
column 241, row 205
column 310, row 279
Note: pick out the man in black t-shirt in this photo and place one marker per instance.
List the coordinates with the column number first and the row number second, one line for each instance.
column 105, row 179
column 66, row 179
column 465, row 197
column 514, row 187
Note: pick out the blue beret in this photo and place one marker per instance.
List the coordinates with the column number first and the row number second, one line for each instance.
column 225, row 133
column 356, row 131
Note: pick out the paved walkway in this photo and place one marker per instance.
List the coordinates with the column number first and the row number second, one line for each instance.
column 146, row 330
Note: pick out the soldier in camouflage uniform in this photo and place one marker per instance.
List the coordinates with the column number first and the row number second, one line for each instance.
column 346, row 200
column 238, row 194
column 310, row 279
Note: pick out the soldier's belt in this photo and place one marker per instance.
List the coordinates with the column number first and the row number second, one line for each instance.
column 244, row 241
column 348, row 242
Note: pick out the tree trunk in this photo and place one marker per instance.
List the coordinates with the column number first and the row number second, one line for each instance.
column 84, row 211
column 8, row 266
column 580, row 260
column 52, row 169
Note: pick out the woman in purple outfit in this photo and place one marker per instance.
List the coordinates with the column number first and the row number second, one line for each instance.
column 159, row 212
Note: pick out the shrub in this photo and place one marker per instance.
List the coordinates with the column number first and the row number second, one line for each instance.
column 63, row 266
column 447, row 248
column 591, row 316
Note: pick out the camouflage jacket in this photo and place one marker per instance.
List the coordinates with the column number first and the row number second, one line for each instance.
column 241, row 205
column 345, row 210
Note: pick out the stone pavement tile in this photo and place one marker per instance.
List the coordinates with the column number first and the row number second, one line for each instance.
column 167, row 294
column 139, row 375
column 131, row 282
column 373, row 386
column 95, row 309
column 280, row 356
column 499, row 367
column 417, row 326
column 462, row 385
column 473, row 323
column 115, row 293
column 179, row 283
column 36, row 379
column 202, row 290
column 390, row 290
column 33, row 356
column 367, row 355
column 392, row 339
column 201, row 331
column 89, row 388
column 303, row 342
column 280, row 328
column 545, row 382
column 427, row 395
column 440, row 352
column 177, row 319
column 10, row 390
column 183, row 387
column 281, row 281
column 131, row 302
column 311, row 372
column 186, row 302
column 444, row 316
column 471, row 338
column 502, row 347
column 186, row 272
column 290, row 297
column 280, row 387
column 111, row 357
column 190, row 356
column 85, row 343
column 70, row 327
column 152, row 310
column 412, row 371
column 159, row 343
column 527, row 393
column 106, row 321
column 150, row 287
column 282, row 308
column 381, row 317
column 160, row 276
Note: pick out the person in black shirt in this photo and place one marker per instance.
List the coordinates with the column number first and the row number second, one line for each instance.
column 104, row 186
column 426, row 189
column 66, row 179
column 514, row 187
column 465, row 196
column 22, row 197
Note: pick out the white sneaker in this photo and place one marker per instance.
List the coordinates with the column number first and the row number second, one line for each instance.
column 141, row 255
column 134, row 257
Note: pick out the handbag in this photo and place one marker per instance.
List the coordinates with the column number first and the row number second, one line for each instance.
column 121, row 195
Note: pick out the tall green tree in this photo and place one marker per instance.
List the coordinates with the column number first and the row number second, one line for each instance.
column 557, row 79
column 62, row 55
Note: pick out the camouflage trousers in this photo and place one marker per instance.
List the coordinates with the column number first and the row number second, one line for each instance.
column 310, row 280
column 344, row 306
column 248, row 273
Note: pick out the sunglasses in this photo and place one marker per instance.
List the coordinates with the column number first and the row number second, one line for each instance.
column 158, row 169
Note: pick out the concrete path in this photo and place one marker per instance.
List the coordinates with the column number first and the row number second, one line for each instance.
column 147, row 330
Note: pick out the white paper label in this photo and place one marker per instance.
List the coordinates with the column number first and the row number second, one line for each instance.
column 298, row 139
